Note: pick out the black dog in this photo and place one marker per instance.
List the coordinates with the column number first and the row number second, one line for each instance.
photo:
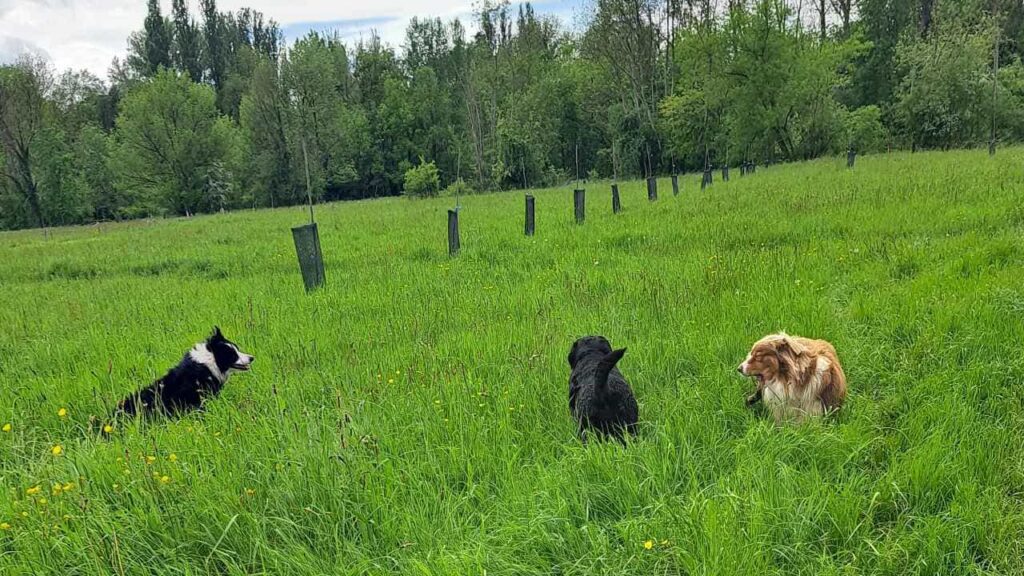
column 599, row 397
column 201, row 373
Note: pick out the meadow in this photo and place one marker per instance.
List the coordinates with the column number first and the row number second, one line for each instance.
column 411, row 416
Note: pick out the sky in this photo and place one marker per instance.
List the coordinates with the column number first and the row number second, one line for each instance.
column 88, row 34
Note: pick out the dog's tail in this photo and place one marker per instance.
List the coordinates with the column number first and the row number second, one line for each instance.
column 604, row 367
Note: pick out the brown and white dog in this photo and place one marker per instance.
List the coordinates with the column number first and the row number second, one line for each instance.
column 796, row 377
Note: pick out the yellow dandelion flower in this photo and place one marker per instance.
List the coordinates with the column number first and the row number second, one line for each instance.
column 34, row 490
column 649, row 544
column 5, row 526
column 7, row 427
column 68, row 487
column 249, row 492
column 57, row 450
column 150, row 459
column 24, row 514
column 398, row 372
column 173, row 457
column 43, row 501
column 107, row 429
column 63, row 412
column 165, row 479
column 391, row 380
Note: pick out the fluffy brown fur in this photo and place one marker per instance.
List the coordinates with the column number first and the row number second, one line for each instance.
column 796, row 377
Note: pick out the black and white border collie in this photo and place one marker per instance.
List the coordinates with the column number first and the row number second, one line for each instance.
column 200, row 374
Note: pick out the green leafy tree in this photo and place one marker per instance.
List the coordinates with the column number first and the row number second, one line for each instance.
column 215, row 57
column 942, row 99
column 187, row 48
column 327, row 120
column 167, row 142
column 264, row 118
column 156, row 39
column 91, row 153
column 23, row 104
column 64, row 199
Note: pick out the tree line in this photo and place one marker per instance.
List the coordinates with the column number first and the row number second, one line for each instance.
column 214, row 110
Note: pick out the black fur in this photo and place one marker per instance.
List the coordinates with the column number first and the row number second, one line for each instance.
column 599, row 397
column 187, row 385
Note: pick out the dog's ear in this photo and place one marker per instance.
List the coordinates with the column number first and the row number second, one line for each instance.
column 791, row 344
column 787, row 350
column 572, row 354
column 216, row 334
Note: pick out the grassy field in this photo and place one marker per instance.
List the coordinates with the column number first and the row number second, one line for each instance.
column 412, row 416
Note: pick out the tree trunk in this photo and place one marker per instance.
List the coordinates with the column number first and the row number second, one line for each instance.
column 927, row 7
column 823, row 19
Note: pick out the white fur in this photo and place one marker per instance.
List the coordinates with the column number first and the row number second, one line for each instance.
column 823, row 365
column 202, row 355
column 788, row 404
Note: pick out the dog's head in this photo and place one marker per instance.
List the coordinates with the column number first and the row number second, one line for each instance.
column 586, row 346
column 226, row 354
column 771, row 358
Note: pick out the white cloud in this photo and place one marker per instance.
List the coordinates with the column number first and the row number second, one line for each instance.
column 90, row 33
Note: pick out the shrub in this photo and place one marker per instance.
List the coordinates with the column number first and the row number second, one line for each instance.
column 863, row 130
column 423, row 180
column 459, row 188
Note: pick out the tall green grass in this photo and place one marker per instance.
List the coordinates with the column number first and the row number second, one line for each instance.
column 411, row 417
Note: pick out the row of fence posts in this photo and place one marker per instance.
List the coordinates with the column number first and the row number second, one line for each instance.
column 310, row 255
column 580, row 202
column 307, row 238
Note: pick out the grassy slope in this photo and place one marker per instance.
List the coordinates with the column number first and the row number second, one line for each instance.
column 412, row 416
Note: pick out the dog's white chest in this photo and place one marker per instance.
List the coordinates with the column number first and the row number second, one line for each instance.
column 795, row 403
